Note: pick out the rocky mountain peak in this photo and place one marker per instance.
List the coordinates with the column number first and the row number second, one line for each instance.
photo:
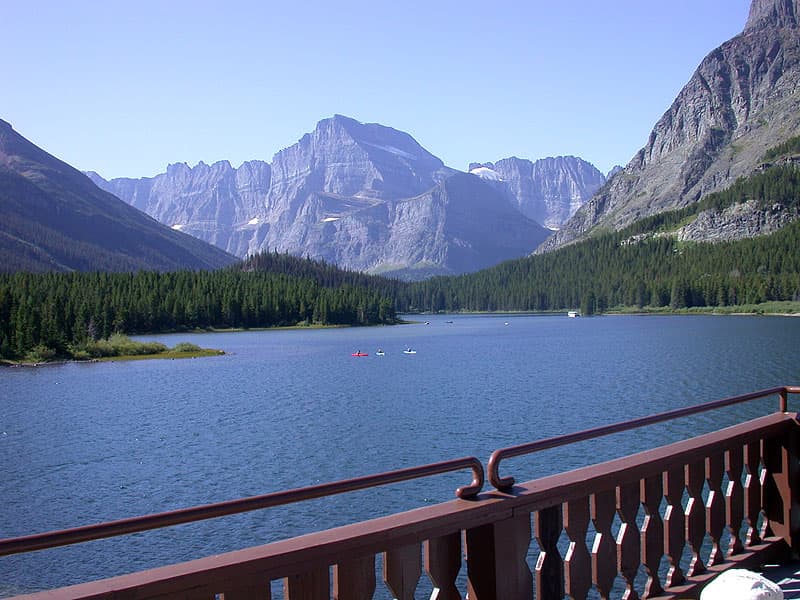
column 345, row 157
column 742, row 100
column 773, row 13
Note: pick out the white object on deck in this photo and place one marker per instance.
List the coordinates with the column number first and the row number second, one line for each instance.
column 740, row 584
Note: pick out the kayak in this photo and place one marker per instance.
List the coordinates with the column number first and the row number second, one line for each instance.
column 360, row 354
column 409, row 351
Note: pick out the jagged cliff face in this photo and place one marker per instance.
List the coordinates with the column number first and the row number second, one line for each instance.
column 363, row 196
column 216, row 203
column 743, row 99
column 462, row 224
column 549, row 190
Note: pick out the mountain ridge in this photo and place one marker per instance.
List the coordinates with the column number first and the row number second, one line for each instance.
column 55, row 218
column 362, row 195
column 741, row 100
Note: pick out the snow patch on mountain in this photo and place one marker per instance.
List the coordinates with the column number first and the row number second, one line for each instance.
column 392, row 150
column 486, row 173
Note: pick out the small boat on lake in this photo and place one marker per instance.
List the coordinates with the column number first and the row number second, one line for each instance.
column 380, row 352
column 359, row 353
column 409, row 351
column 573, row 313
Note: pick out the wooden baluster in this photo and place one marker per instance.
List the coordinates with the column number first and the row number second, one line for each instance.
column 548, row 524
column 496, row 560
column 715, row 507
column 577, row 564
column 734, row 498
column 604, row 549
column 752, row 492
column 354, row 579
column 628, row 541
column 402, row 568
column 442, row 563
column 652, row 491
column 767, row 489
column 781, row 494
column 695, row 515
column 239, row 591
column 311, row 585
column 675, row 523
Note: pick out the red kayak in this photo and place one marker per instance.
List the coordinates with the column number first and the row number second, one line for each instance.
column 360, row 354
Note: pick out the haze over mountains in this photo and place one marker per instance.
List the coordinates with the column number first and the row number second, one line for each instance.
column 366, row 197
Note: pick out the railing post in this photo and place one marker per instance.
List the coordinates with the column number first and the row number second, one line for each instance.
column 496, row 565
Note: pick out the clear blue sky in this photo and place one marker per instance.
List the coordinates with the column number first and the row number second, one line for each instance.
column 124, row 88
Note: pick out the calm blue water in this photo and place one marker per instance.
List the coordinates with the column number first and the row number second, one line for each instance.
column 84, row 443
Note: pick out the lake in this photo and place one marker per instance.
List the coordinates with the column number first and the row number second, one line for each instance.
column 85, row 443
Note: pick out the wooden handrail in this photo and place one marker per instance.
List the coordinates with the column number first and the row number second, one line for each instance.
column 494, row 531
column 495, row 528
column 53, row 539
column 506, row 483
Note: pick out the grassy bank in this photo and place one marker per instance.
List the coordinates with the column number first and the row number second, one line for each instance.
column 116, row 347
column 765, row 308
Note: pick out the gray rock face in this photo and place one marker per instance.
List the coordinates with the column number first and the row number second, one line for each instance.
column 736, row 222
column 549, row 190
column 743, row 99
column 370, row 198
column 215, row 203
column 363, row 196
column 462, row 224
column 773, row 13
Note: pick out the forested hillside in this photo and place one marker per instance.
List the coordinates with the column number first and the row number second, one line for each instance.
column 62, row 311
column 642, row 265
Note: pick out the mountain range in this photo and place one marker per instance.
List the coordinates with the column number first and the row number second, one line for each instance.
column 53, row 218
column 370, row 198
column 367, row 197
column 743, row 99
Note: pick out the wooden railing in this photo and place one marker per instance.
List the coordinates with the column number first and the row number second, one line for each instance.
column 657, row 524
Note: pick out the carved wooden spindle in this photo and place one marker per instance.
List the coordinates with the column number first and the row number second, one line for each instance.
column 402, row 568
column 628, row 540
column 496, row 560
column 549, row 566
column 604, row 549
column 442, row 563
column 675, row 522
column 577, row 563
column 354, row 579
column 715, row 507
column 752, row 492
column 652, row 491
column 780, row 495
column 765, row 479
column 734, row 498
column 695, row 515
column 308, row 586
